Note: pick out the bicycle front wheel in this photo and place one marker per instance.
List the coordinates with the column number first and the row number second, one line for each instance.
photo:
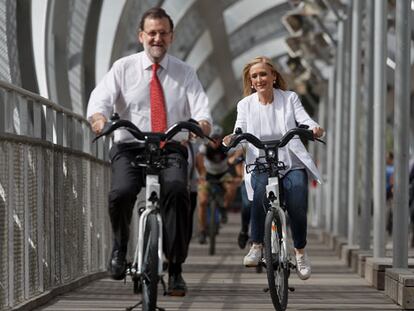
column 277, row 272
column 149, row 278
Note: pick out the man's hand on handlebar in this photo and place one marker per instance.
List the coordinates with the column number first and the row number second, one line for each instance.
column 98, row 121
column 318, row 132
column 205, row 127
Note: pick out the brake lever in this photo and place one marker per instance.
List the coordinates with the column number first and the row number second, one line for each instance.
column 320, row 140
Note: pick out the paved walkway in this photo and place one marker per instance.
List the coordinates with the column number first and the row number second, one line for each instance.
column 221, row 283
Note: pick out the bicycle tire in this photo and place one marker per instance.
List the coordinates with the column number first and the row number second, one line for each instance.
column 212, row 228
column 149, row 278
column 277, row 272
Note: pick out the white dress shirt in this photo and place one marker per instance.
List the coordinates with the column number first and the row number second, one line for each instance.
column 272, row 121
column 125, row 89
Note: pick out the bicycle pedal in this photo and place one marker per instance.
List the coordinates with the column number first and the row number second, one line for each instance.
column 291, row 289
column 265, row 290
column 251, row 266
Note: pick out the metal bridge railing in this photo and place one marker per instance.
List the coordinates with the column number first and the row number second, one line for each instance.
column 54, row 227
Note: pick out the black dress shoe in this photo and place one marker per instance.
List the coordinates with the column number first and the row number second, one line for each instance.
column 117, row 265
column 176, row 285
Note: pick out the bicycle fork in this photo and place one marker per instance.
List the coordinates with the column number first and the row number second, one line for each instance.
column 152, row 202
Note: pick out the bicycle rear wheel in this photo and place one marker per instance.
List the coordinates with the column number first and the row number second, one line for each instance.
column 277, row 272
column 149, row 278
column 212, row 227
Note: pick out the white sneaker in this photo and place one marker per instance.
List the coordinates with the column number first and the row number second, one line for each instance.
column 303, row 266
column 254, row 256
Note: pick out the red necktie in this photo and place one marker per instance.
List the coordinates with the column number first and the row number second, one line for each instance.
column 158, row 114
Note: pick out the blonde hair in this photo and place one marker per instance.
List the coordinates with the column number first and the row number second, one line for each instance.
column 279, row 82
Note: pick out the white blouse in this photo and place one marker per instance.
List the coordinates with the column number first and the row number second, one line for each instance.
column 272, row 121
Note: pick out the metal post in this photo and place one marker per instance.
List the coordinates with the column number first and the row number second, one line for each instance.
column 345, row 124
column 401, row 137
column 321, row 151
column 380, row 22
column 330, row 128
column 365, row 224
column 338, row 127
column 354, row 120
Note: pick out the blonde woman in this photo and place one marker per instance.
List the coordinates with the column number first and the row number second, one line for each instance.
column 268, row 111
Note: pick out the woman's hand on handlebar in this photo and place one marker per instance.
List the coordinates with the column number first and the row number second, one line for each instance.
column 205, row 126
column 318, row 132
column 98, row 121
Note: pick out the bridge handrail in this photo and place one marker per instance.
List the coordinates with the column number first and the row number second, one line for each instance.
column 25, row 113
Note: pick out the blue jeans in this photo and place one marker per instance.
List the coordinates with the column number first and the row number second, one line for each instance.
column 295, row 192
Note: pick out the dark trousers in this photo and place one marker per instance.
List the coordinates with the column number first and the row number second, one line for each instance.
column 126, row 183
column 245, row 210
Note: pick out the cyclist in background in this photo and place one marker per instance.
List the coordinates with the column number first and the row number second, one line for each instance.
column 245, row 212
column 213, row 166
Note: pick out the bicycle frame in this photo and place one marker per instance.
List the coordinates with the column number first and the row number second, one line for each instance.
column 152, row 187
column 153, row 162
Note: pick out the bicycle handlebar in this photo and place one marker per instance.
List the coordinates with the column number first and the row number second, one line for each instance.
column 116, row 123
column 299, row 131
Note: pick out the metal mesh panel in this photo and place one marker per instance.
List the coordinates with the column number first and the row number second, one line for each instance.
column 73, row 242
column 47, row 155
column 57, row 254
column 96, row 201
column 32, row 173
column 18, row 222
column 4, row 180
column 108, row 233
column 78, row 189
column 86, row 169
column 66, row 242
column 66, row 206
